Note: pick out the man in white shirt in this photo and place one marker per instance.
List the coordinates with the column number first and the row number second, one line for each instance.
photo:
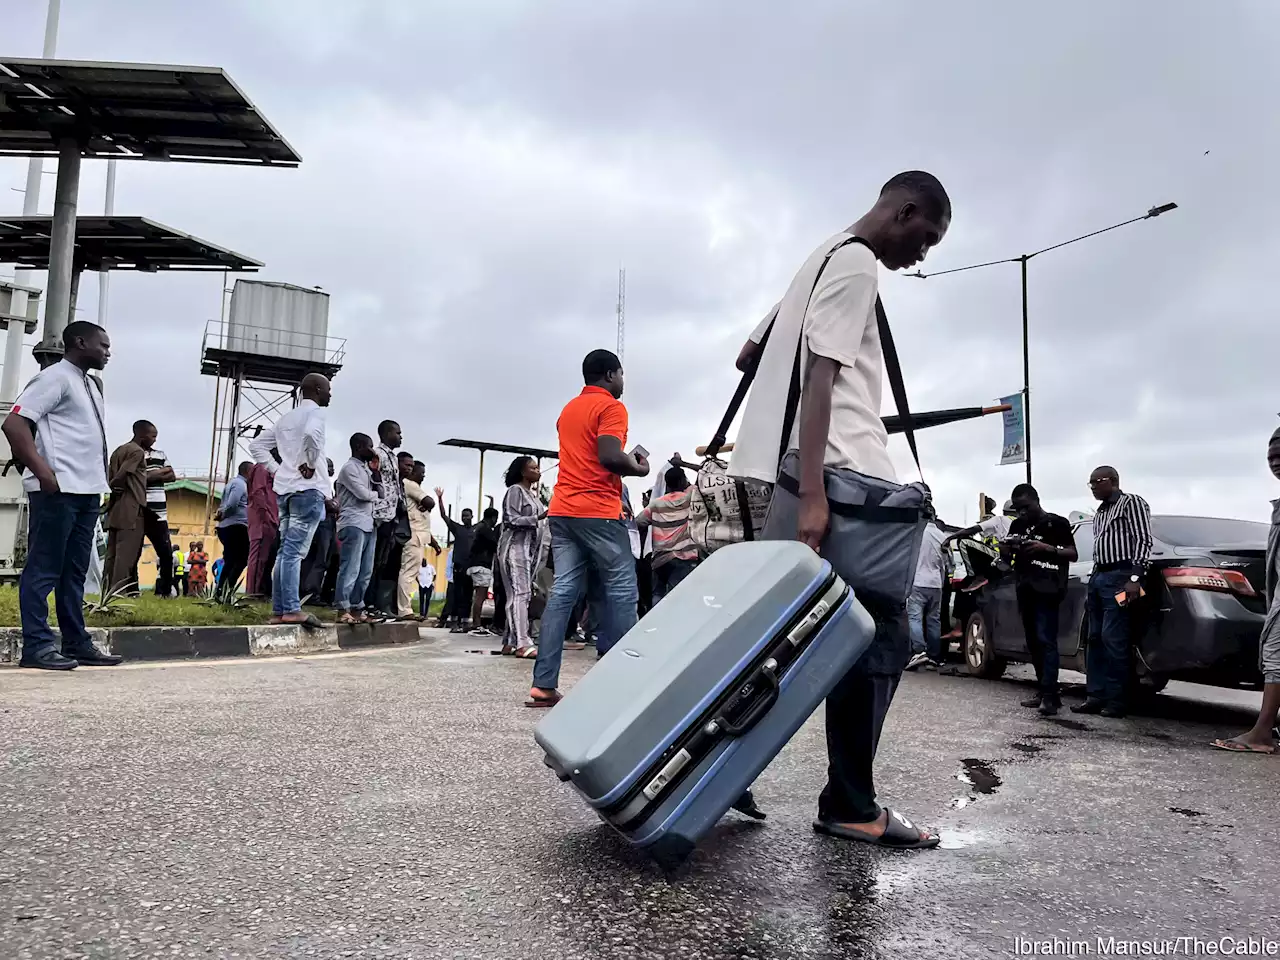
column 829, row 314
column 924, row 608
column 56, row 431
column 303, row 488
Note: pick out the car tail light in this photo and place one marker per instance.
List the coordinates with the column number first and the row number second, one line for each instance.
column 1209, row 578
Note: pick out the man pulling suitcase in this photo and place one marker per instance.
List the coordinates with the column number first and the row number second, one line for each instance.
column 826, row 329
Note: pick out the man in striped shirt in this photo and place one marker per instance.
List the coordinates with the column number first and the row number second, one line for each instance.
column 674, row 553
column 1121, row 549
column 156, row 514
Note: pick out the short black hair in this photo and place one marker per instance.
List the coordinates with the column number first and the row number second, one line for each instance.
column 598, row 365
column 1025, row 490
column 676, row 479
column 404, row 455
column 245, row 467
column 140, row 425
column 384, row 426
column 1111, row 473
column 927, row 190
column 359, row 441
column 78, row 329
column 491, row 513
column 419, row 463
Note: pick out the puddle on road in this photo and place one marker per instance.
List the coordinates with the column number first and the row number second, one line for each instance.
column 1023, row 747
column 1164, row 737
column 980, row 775
column 957, row 840
column 1183, row 811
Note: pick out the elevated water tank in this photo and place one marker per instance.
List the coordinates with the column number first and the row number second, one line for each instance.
column 278, row 320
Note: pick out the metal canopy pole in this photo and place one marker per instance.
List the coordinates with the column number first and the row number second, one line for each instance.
column 104, row 277
column 480, row 495
column 62, row 246
column 10, row 376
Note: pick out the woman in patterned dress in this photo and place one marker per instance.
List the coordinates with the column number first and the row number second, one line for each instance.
column 520, row 551
column 197, row 568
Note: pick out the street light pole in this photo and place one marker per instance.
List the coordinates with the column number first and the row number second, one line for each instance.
column 1026, row 371
column 1022, row 261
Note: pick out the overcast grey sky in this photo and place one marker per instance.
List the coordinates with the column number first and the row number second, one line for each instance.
column 474, row 173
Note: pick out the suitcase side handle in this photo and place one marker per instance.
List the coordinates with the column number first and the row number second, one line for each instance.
column 767, row 674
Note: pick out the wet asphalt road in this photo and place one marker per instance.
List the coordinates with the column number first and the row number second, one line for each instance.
column 392, row 804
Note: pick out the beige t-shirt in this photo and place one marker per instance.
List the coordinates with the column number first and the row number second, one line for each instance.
column 839, row 323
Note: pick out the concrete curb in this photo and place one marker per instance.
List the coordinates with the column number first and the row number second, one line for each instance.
column 185, row 643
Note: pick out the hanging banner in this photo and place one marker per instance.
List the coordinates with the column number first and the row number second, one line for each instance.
column 1015, row 431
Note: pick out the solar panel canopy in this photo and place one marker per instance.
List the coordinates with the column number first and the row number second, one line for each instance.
column 134, row 111
column 117, row 243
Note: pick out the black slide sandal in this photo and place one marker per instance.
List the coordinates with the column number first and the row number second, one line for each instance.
column 899, row 834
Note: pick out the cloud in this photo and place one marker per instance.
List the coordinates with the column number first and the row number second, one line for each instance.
column 475, row 174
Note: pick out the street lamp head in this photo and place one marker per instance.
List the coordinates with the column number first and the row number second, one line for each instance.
column 1163, row 208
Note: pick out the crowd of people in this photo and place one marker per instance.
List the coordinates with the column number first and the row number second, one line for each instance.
column 817, row 361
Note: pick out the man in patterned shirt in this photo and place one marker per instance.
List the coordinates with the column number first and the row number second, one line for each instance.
column 381, row 593
column 156, row 515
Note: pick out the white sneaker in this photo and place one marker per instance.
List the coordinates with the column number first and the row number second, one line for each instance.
column 917, row 660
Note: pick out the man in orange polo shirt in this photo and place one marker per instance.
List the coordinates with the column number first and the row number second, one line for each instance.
column 586, row 519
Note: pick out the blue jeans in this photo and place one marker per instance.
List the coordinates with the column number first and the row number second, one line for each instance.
column 577, row 543
column 924, row 616
column 1108, row 653
column 59, row 541
column 1039, row 613
column 669, row 575
column 300, row 514
column 355, row 567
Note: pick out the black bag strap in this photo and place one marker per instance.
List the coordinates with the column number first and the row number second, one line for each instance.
column 896, row 385
column 744, row 510
column 870, row 512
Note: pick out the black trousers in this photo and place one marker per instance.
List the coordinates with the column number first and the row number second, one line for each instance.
column 316, row 563
column 1039, row 612
column 499, row 625
column 385, row 533
column 463, row 594
column 855, row 714
column 235, row 555
column 157, row 531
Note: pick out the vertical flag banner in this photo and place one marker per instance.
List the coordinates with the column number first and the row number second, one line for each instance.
column 1015, row 431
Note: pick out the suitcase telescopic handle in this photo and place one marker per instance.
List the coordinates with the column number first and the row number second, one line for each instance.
column 761, row 707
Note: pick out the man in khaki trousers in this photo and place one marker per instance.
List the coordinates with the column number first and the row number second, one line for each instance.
column 419, row 504
column 126, row 526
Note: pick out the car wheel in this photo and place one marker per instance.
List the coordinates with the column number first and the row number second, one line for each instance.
column 979, row 653
column 1149, row 684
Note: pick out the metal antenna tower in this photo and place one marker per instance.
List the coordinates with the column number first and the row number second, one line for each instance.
column 622, row 310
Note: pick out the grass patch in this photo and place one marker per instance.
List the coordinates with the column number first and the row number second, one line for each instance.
column 149, row 610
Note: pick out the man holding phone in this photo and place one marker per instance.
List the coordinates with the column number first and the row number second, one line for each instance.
column 1040, row 545
column 586, row 519
column 1121, row 549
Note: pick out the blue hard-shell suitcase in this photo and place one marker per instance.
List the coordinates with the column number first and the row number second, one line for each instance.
column 669, row 729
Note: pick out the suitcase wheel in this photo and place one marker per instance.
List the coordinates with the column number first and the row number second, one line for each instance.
column 560, row 774
column 671, row 852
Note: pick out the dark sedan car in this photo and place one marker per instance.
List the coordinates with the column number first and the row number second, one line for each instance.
column 1200, row 619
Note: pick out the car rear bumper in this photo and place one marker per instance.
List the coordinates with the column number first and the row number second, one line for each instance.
column 1207, row 633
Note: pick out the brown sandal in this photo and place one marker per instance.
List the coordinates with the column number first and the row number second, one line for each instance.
column 544, row 702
